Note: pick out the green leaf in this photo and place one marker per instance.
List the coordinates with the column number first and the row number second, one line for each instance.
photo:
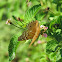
column 59, row 5
column 43, row 60
column 52, row 23
column 58, row 31
column 30, row 14
column 57, row 1
column 61, row 52
column 1, row 13
column 51, row 45
column 60, row 60
column 55, row 56
column 13, row 46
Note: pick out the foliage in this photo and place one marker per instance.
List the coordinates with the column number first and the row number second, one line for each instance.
column 51, row 49
column 12, row 47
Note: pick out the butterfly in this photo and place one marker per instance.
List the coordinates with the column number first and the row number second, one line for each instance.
column 32, row 32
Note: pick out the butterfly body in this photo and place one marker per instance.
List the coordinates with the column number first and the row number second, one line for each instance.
column 32, row 32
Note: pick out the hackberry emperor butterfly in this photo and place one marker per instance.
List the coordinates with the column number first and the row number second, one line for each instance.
column 32, row 32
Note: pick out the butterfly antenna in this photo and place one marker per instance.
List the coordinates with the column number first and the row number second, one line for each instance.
column 15, row 25
column 9, row 22
column 18, row 19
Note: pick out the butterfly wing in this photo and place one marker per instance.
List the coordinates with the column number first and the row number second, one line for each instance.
column 29, row 34
column 32, row 32
column 36, row 34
